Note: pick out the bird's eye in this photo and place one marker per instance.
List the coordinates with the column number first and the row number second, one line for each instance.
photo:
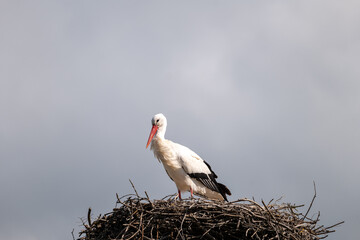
column 157, row 120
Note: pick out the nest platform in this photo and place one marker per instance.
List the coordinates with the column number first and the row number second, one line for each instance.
column 136, row 217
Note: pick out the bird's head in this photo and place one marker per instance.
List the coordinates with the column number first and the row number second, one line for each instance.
column 159, row 123
column 159, row 120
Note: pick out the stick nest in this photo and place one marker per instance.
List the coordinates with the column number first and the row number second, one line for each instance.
column 141, row 218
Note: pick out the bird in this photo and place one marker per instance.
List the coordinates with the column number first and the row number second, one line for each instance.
column 187, row 169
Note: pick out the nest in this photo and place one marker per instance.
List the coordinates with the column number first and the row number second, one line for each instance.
column 140, row 218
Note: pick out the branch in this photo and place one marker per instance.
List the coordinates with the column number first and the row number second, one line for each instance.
column 312, row 201
column 89, row 217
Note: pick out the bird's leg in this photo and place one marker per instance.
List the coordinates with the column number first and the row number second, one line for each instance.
column 179, row 194
column 191, row 193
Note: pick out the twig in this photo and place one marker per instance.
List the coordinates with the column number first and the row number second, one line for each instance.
column 267, row 209
column 180, row 230
column 332, row 226
column 72, row 233
column 89, row 217
column 134, row 188
column 147, row 196
column 312, row 201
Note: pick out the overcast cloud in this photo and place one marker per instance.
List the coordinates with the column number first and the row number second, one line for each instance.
column 268, row 92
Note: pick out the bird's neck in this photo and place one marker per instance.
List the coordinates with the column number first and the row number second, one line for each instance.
column 161, row 132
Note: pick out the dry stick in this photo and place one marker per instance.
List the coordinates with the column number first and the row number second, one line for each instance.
column 147, row 196
column 261, row 217
column 267, row 209
column 157, row 231
column 335, row 225
column 123, row 203
column 134, row 188
column 255, row 203
column 180, row 230
column 293, row 237
column 138, row 229
column 312, row 201
column 89, row 217
column 134, row 233
column 152, row 205
column 151, row 230
column 84, row 224
column 247, row 231
column 255, row 234
column 207, row 231
column 117, row 196
column 139, row 198
column 142, row 231
column 126, row 229
column 240, row 200
column 72, row 233
column 148, row 223
column 275, row 230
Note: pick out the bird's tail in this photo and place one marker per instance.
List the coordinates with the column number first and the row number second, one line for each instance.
column 223, row 190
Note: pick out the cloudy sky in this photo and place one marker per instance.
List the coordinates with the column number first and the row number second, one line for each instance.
column 267, row 92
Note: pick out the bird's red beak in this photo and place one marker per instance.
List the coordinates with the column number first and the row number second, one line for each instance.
column 152, row 133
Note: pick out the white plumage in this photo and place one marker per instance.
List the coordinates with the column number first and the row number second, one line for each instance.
column 184, row 167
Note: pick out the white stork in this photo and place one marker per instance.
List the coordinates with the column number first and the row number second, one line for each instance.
column 184, row 167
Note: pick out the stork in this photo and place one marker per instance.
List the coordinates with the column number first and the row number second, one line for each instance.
column 183, row 166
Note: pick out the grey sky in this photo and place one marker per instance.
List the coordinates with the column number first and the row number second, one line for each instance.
column 266, row 91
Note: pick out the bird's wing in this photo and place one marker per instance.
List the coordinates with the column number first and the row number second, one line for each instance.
column 197, row 168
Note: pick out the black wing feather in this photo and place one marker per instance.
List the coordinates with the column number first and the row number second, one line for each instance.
column 207, row 180
column 212, row 172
